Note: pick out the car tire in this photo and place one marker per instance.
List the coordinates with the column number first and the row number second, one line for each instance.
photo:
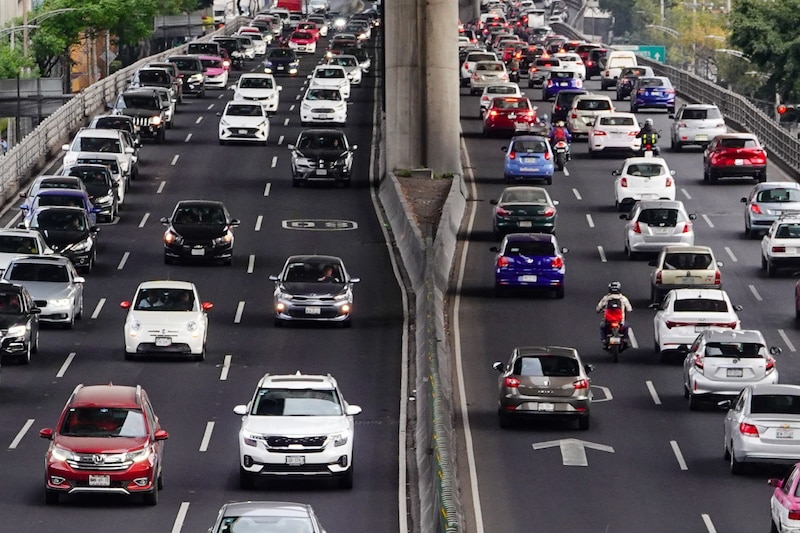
column 671, row 110
column 705, row 175
column 51, row 497
column 583, row 423
column 686, row 393
column 676, row 146
column 295, row 182
column 618, row 98
column 161, row 137
column 129, row 356
column 346, row 480
column 712, row 176
column 631, row 254
column 737, row 468
column 549, row 180
column 201, row 356
column 603, row 85
column 71, row 323
column 25, row 358
column 726, row 455
column 246, row 480
column 160, row 481
column 654, row 295
column 634, row 109
column 504, row 420
column 762, row 176
column 79, row 312
column 151, row 498
column 278, row 322
column 694, row 402
column 559, row 293
column 221, row 142
column 771, row 270
column 772, row 527
column 763, row 263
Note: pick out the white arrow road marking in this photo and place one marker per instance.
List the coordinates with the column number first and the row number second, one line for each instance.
column 709, row 524
column 226, row 366
column 678, row 455
column 755, row 293
column 602, row 254
column 786, row 340
column 573, row 451
column 65, row 366
column 182, row 510
column 206, row 437
column 653, row 394
column 239, row 311
column 730, row 253
column 589, row 220
column 607, row 396
column 632, row 338
column 577, row 194
column 99, row 308
column 22, row 432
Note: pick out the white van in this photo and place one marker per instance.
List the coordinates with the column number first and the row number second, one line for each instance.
column 616, row 60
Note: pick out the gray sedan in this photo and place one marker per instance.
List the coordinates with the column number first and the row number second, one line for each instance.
column 767, row 202
column 266, row 516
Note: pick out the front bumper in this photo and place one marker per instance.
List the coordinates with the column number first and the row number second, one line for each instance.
column 248, row 134
column 323, row 115
column 217, row 82
column 326, row 310
column 14, row 345
column 198, row 251
column 54, row 314
column 324, row 461
column 138, row 478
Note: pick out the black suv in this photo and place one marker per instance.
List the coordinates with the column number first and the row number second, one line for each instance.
column 322, row 154
column 147, row 109
column 235, row 50
column 19, row 323
column 192, row 74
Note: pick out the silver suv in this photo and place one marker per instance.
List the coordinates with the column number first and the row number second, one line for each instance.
column 696, row 124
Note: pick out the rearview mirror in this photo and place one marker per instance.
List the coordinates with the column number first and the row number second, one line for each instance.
column 497, row 365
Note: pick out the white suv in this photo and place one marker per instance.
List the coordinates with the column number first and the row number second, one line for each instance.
column 103, row 140
column 296, row 425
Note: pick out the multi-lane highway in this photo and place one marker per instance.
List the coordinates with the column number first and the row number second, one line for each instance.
column 657, row 467
column 194, row 400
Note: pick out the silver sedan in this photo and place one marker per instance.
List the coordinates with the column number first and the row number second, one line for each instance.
column 767, row 202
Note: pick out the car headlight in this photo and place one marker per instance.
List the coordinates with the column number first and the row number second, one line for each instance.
column 17, row 331
column 61, row 454
column 170, row 237
column 59, row 302
column 228, row 237
column 135, row 325
column 236, row 53
column 339, row 23
column 340, row 439
column 262, row 124
column 107, row 199
column 303, row 162
column 139, row 456
column 250, row 439
column 196, row 78
column 155, row 121
column 223, row 122
column 305, row 106
column 82, row 246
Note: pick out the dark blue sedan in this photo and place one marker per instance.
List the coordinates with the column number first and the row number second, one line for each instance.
column 653, row 92
column 529, row 260
column 559, row 81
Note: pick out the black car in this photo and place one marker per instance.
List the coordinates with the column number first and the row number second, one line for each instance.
column 192, row 74
column 154, row 77
column 595, row 62
column 322, row 155
column 19, row 323
column 69, row 232
column 627, row 79
column 563, row 103
column 235, row 50
column 149, row 112
column 281, row 61
column 199, row 230
column 100, row 185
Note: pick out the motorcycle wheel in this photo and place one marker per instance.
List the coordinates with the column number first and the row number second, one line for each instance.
column 560, row 161
column 614, row 349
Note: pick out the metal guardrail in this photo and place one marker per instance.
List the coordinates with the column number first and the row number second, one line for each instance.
column 34, row 150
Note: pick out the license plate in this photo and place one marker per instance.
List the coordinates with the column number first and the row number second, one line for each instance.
column 242, row 132
column 321, row 172
column 528, row 159
column 198, row 251
column 528, row 279
column 615, row 340
column 739, row 162
column 649, row 196
column 701, row 137
column 700, row 328
column 688, row 281
column 784, row 433
column 280, row 67
column 323, row 116
column 163, row 341
column 512, row 116
column 295, row 460
column 99, row 480
column 521, row 126
column 735, row 372
column 525, row 224
column 312, row 310
column 546, row 406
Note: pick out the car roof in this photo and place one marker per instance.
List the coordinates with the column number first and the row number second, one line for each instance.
column 546, row 350
column 263, row 508
column 734, row 335
column 675, row 249
column 736, row 135
column 212, row 203
column 42, row 259
column 700, row 106
column 207, row 57
column 637, row 160
column 315, row 258
column 105, row 396
column 705, row 294
column 61, row 192
column 528, row 138
column 775, row 388
column 20, row 233
column 530, row 237
column 298, row 381
column 99, row 132
column 166, row 284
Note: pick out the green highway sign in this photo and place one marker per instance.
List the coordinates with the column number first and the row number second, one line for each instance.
column 654, row 52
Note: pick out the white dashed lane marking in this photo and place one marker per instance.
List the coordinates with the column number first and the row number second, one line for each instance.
column 678, row 455
column 589, row 220
column 686, row 194
column 602, row 254
column 144, row 220
column 786, row 340
column 653, row 393
column 206, row 436
column 161, row 187
column 199, row 120
column 577, row 194
column 174, row 160
column 188, row 137
column 708, row 220
column 259, row 220
column 226, row 365
column 182, row 510
column 239, row 310
column 124, row 260
column 730, row 254
column 251, row 262
column 98, row 308
column 65, row 366
column 755, row 293
column 274, row 161
column 21, row 434
column 267, row 187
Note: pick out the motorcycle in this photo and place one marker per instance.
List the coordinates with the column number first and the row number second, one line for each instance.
column 513, row 75
column 561, row 150
column 650, row 150
column 615, row 340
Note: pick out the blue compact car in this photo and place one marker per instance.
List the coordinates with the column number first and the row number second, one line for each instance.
column 653, row 92
column 559, row 81
column 528, row 157
column 529, row 260
column 59, row 197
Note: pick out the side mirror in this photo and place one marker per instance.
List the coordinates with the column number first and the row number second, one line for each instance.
column 240, row 410
column 161, row 435
column 555, row 202
column 164, row 220
column 493, row 201
column 720, row 264
column 94, row 229
column 21, row 225
column 35, row 311
column 615, row 172
column 207, row 306
column 125, row 305
column 279, row 88
column 23, row 195
column 24, row 207
column 589, row 368
column 235, row 222
column 504, row 148
column 79, row 279
column 737, row 307
column 355, row 280
column 46, row 433
column 497, row 365
column 772, row 482
column 671, row 115
column 354, row 147
column 724, row 404
column 672, row 172
column 564, row 250
column 623, row 217
column 692, row 216
column 65, row 147
column 218, row 114
column 353, row 410
column 775, row 350
column 655, row 306
column 494, row 249
column 273, row 277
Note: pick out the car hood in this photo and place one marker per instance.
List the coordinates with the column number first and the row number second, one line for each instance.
column 313, row 289
column 100, row 444
column 59, row 239
column 47, row 290
column 141, row 112
column 200, row 231
column 8, row 320
column 326, row 155
column 255, row 93
column 214, row 71
column 290, row 426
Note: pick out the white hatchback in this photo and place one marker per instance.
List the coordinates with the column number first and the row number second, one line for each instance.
column 780, row 247
column 258, row 87
column 487, row 73
column 614, row 132
column 330, row 77
column 243, row 121
column 643, row 178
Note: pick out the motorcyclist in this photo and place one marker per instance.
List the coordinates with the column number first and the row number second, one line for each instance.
column 513, row 68
column 614, row 293
column 649, row 135
column 561, row 133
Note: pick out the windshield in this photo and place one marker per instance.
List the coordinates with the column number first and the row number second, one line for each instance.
column 255, row 83
column 529, row 248
column 154, row 77
column 18, row 245
column 103, row 422
column 38, row 272
column 329, row 73
column 59, row 220
column 242, row 110
column 280, row 52
column 323, row 94
column 97, row 144
column 313, row 272
column 164, row 300
column 297, row 402
column 199, row 214
column 265, row 524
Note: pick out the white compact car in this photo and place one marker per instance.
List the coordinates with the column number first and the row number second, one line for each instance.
column 487, row 73
column 780, row 247
column 643, row 178
column 258, row 87
column 166, row 317
column 107, row 141
column 243, row 121
column 614, row 132
column 351, row 67
column 685, row 313
column 497, row 89
column 653, row 224
column 572, row 61
column 323, row 106
column 330, row 77
column 296, row 425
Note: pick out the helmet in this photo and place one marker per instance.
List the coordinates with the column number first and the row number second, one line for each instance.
column 649, row 121
column 560, row 124
column 615, row 287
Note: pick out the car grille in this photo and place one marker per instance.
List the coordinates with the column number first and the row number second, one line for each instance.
column 244, row 132
column 322, row 110
column 40, row 303
column 141, row 121
column 255, row 98
column 308, row 443
column 97, row 462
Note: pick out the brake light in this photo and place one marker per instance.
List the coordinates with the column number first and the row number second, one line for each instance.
column 698, row 361
column 636, row 227
column 581, row 384
column 748, row 430
column 717, row 278
column 759, row 159
column 794, row 515
column 512, row 155
column 557, row 262
column 641, row 91
column 687, row 227
column 550, row 211
column 770, row 364
column 623, row 182
column 574, row 115
column 607, row 74
column 658, row 278
column 589, row 63
column 502, row 262
column 502, row 212
column 511, row 382
column 599, row 133
column 533, row 69
column 632, row 134
column 754, row 208
column 475, row 76
column 549, row 83
column 780, row 249
column 681, row 124
column 672, row 324
column 493, row 113
column 547, row 155
column 669, row 182
column 578, row 83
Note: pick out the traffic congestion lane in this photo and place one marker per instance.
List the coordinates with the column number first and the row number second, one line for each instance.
column 587, row 194
column 182, row 390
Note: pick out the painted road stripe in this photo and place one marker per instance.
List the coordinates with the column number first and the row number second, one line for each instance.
column 298, row 96
column 653, row 394
column 144, row 220
column 98, row 308
column 174, row 159
column 65, row 366
column 226, row 365
column 708, row 220
column 274, row 161
column 786, row 340
column 565, row 171
column 286, row 122
column 602, row 254
column 755, row 293
column 632, row 338
column 188, row 138
column 251, row 263
column 577, row 194
column 259, row 220
column 22, row 432
column 678, row 455
column 709, row 524
column 199, row 119
column 730, row 254
column 267, row 187
column 280, row 140
column 291, row 107
column 239, row 311
column 589, row 220
column 686, row 194
column 161, row 187
column 206, row 437
column 182, row 510
column 211, row 106
column 124, row 260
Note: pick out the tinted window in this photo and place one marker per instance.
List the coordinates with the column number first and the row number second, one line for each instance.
column 98, row 144
column 653, row 82
column 296, row 402
column 197, row 214
column 57, row 220
column 111, row 164
column 321, row 141
column 211, row 63
column 500, row 89
column 154, row 77
column 548, row 365
column 38, row 272
column 255, row 83
column 323, row 94
column 187, row 64
column 688, row 262
column 778, row 195
column 240, row 110
column 137, row 101
column 530, row 196
column 775, row 403
column 112, row 123
column 530, row 248
column 616, row 121
column 646, row 170
column 331, row 73
column 701, row 305
column 530, row 147
column 740, row 350
column 312, row 272
column 738, row 143
column 788, row 231
column 103, row 422
column 701, row 114
column 659, row 217
column 165, row 300
column 586, row 104
column 502, row 103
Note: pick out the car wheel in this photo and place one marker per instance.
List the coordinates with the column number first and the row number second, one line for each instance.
column 737, row 468
column 246, row 480
column 726, row 455
column 763, row 263
column 71, row 323
column 603, row 85
column 25, row 358
column 278, row 322
column 504, row 420
column 560, row 292
column 655, row 295
column 151, row 498
column 771, row 270
column 772, row 527
column 583, row 423
column 160, row 482
column 712, row 176
column 592, row 153
column 202, row 355
column 228, row 261
column 79, row 313
column 685, row 392
column 634, row 109
column 549, row 180
column 676, row 146
column 630, row 253
column 346, row 481
column 51, row 497
column 762, row 176
column 167, row 260
column 295, row 182
column 705, row 175
column 694, row 403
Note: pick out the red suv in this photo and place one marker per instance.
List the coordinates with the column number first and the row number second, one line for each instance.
column 108, row 440
column 735, row 155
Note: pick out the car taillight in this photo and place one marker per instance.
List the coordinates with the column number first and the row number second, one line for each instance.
column 574, row 115
column 681, row 124
column 511, row 382
column 493, row 113
column 502, row 212
column 670, row 91
column 659, row 281
column 550, row 211
column 780, row 249
column 581, row 384
column 636, row 228
column 698, row 362
column 632, row 134
column 754, row 208
column 748, row 430
column 794, row 515
column 607, row 73
column 557, row 262
column 623, row 182
column 641, row 91
column 502, row 262
column 599, row 133
column 589, row 63
column 770, row 364
column 547, row 155
column 673, row 324
column 729, row 325
column 549, row 83
column 475, row 76
column 669, row 182
column 578, row 83
column 760, row 158
column 532, row 69
column 512, row 155
column 687, row 227
column 717, row 278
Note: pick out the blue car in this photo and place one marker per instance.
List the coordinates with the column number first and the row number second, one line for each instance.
column 559, row 81
column 528, row 157
column 654, row 92
column 59, row 197
column 529, row 260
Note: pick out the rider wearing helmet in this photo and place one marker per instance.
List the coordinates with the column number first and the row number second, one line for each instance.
column 560, row 133
column 614, row 293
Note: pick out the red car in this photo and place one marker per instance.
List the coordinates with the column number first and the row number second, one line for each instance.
column 108, row 440
column 509, row 114
column 310, row 27
column 734, row 155
column 303, row 41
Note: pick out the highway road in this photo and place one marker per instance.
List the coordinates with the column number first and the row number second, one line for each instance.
column 655, row 467
column 194, row 400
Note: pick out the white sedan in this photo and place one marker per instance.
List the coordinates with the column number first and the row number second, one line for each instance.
column 243, row 121
column 685, row 313
column 614, row 132
column 323, row 106
column 351, row 67
column 497, row 89
column 166, row 317
column 643, row 178
column 572, row 61
column 330, row 77
column 780, row 247
column 258, row 87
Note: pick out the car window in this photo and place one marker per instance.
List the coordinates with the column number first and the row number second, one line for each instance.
column 775, row 404
column 112, row 123
column 329, row 73
column 703, row 305
column 165, row 300
column 788, row 231
column 211, row 63
column 248, row 82
column 546, row 366
column 738, row 143
column 701, row 114
column 588, row 104
column 492, row 67
column 659, row 217
column 530, row 147
column 681, row 261
column 280, row 52
column 647, row 170
column 500, row 89
column 98, row 144
column 38, row 272
column 186, row 64
column 740, row 350
column 529, row 196
column 313, row 272
column 103, row 422
column 653, row 82
column 529, row 248
column 296, row 402
column 196, row 214
column 503, row 103
column 244, row 110
column 59, row 220
column 617, row 121
column 778, row 195
column 562, row 75
column 321, row 141
column 18, row 244
column 155, row 77
column 111, row 164
column 323, row 94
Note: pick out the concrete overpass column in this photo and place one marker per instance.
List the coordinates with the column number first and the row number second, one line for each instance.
column 404, row 84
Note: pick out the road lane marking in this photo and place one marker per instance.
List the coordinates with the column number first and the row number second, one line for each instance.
column 251, row 263
column 632, row 338
column 280, row 140
column 786, row 340
column 686, row 193
column 653, row 394
column 206, row 437
column 589, row 220
column 18, row 438
column 730, row 254
column 709, row 524
column 182, row 510
column 259, row 220
column 267, row 187
column 286, row 122
column 566, row 171
column 98, row 308
column 755, row 293
column 65, row 366
column 161, row 187
column 188, row 138
column 678, row 455
column 602, row 254
column 219, row 97
column 607, row 396
column 274, row 160
column 174, row 159
column 124, row 260
column 239, row 311
column 291, row 107
column 297, row 97
column 144, row 220
column 199, row 119
column 211, row 106
column 577, row 194
column 13, row 222
column 708, row 220
column 226, row 365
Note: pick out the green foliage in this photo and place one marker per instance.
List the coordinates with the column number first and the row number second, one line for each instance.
column 12, row 62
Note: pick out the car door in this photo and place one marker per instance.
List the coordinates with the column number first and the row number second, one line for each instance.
column 782, row 498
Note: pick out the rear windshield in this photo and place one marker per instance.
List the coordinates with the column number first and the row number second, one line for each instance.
column 528, row 195
column 530, row 147
column 503, row 103
column 634, row 72
column 154, row 77
column 562, row 75
column 740, row 350
column 702, row 305
column 501, row 89
column 688, row 262
column 112, row 164
column 530, row 248
column 778, row 195
column 98, row 144
column 586, row 104
column 113, row 123
column 617, row 121
column 653, row 82
column 775, row 403
column 187, row 64
column 548, row 365
column 211, row 63
column 646, row 170
column 788, row 231
column 659, row 217
column 701, row 114
column 203, row 48
column 738, row 143
column 497, row 67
